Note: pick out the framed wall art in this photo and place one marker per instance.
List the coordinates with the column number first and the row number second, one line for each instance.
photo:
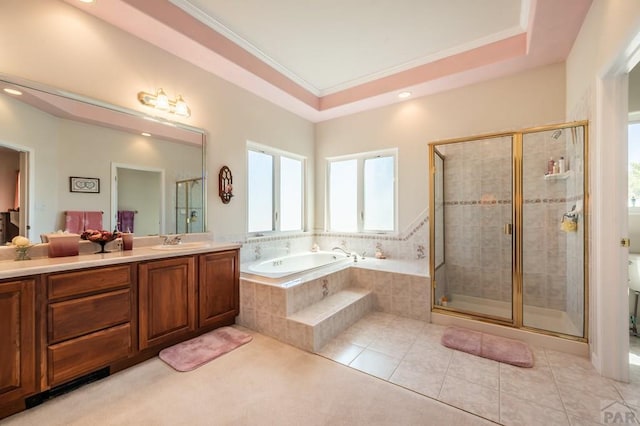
column 84, row 184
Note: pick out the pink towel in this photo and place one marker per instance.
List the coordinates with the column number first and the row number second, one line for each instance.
column 74, row 222
column 92, row 220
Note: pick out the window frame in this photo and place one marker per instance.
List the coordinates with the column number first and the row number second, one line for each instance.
column 275, row 187
column 361, row 157
column 634, row 118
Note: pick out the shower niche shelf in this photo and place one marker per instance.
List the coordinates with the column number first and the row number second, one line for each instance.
column 558, row 176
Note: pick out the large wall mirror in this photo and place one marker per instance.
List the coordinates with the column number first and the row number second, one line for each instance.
column 63, row 154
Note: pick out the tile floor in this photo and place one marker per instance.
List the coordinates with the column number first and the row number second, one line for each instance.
column 560, row 389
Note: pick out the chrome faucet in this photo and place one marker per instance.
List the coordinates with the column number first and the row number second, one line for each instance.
column 342, row 250
column 172, row 240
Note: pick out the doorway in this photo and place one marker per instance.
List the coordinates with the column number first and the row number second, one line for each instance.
column 138, row 199
column 14, row 193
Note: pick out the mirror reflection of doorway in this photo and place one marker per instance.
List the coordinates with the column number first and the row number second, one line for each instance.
column 138, row 200
column 13, row 193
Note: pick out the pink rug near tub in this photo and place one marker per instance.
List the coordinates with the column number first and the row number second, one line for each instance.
column 191, row 354
column 500, row 349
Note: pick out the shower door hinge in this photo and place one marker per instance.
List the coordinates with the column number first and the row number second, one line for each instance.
column 508, row 229
column 625, row 242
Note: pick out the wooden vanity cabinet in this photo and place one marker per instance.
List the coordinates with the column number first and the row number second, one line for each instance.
column 58, row 327
column 218, row 288
column 18, row 370
column 91, row 320
column 167, row 300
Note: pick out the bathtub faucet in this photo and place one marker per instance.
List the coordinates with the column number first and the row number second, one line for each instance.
column 342, row 250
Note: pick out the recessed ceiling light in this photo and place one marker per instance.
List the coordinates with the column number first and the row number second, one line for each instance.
column 87, row 1
column 145, row 134
column 404, row 95
column 12, row 91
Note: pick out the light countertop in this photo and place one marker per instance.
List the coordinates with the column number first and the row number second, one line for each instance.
column 41, row 265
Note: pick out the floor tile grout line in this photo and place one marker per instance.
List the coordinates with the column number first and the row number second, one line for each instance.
column 446, row 373
column 500, row 367
column 557, row 386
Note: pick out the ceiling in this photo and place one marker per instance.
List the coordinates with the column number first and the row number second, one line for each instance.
column 324, row 59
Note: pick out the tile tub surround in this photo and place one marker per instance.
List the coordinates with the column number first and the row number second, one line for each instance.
column 305, row 315
column 312, row 311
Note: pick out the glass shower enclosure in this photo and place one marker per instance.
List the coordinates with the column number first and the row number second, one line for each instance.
column 508, row 231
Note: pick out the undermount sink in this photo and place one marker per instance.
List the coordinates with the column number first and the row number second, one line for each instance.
column 181, row 246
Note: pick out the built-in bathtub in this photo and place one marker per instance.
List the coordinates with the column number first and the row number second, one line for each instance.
column 307, row 298
column 293, row 269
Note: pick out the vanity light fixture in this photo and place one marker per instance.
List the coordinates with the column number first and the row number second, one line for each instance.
column 404, row 95
column 12, row 91
column 162, row 102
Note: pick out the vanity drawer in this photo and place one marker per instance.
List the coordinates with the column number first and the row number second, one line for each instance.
column 85, row 354
column 88, row 281
column 75, row 317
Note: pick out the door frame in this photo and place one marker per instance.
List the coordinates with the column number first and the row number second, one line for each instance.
column 27, row 186
column 610, row 303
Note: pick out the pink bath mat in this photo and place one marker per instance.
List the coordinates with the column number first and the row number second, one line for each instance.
column 500, row 349
column 191, row 354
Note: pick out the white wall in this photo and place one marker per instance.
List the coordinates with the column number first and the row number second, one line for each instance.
column 57, row 44
column 525, row 100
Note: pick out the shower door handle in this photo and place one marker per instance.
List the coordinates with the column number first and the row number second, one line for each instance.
column 508, row 229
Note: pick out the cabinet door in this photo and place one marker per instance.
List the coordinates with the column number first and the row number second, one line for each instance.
column 166, row 295
column 17, row 340
column 218, row 296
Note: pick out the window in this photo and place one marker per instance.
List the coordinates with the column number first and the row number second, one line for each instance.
column 633, row 200
column 275, row 190
column 362, row 192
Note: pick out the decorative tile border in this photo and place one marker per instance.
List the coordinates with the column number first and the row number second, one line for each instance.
column 508, row 202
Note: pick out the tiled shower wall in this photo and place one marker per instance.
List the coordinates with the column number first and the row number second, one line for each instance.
column 553, row 259
column 544, row 244
column 478, row 188
column 574, row 140
column 478, row 192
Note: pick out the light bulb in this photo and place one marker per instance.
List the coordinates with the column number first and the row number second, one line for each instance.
column 12, row 91
column 162, row 100
column 181, row 107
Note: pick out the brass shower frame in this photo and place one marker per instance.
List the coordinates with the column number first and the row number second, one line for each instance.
column 517, row 207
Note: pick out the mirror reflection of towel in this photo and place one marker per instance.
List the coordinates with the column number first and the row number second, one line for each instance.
column 74, row 222
column 93, row 220
column 125, row 220
column 77, row 222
